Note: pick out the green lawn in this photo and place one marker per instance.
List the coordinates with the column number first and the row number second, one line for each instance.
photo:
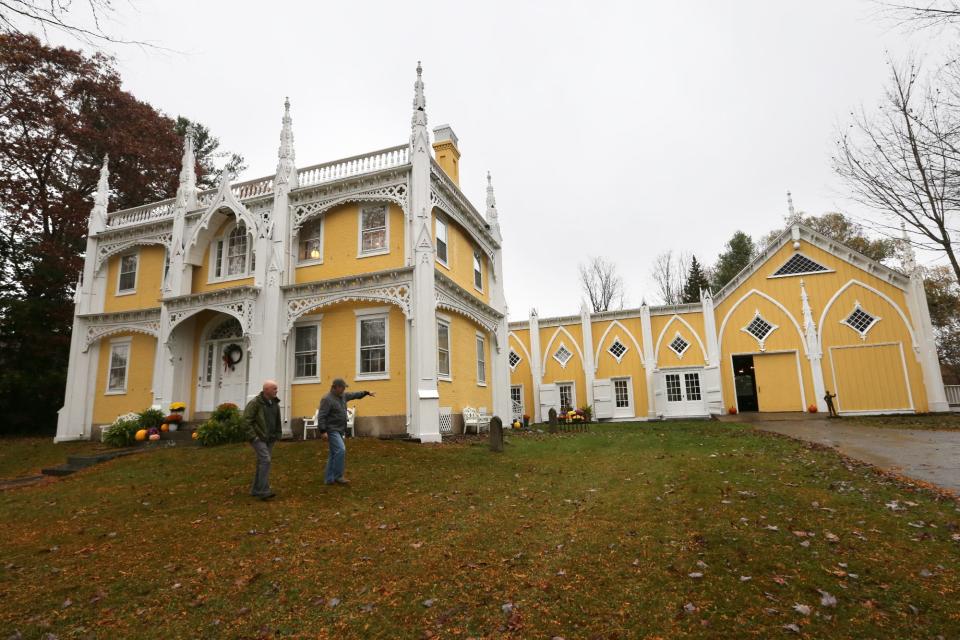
column 659, row 530
column 26, row 456
column 936, row 421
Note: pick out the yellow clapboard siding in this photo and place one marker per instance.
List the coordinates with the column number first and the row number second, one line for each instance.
column 778, row 387
column 870, row 378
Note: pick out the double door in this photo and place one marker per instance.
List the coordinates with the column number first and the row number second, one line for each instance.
column 684, row 393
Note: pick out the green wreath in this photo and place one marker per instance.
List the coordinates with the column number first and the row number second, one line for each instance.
column 232, row 356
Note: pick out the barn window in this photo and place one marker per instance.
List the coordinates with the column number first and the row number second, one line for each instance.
column 562, row 355
column 514, row 359
column 860, row 321
column 799, row 264
column 617, row 349
column 679, row 345
column 760, row 329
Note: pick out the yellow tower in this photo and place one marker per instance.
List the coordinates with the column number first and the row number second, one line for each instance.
column 447, row 152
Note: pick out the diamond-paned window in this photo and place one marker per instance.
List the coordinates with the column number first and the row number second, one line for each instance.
column 617, row 349
column 860, row 321
column 562, row 355
column 514, row 359
column 759, row 329
column 679, row 345
column 797, row 264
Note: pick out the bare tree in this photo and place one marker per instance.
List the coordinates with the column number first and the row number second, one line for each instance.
column 931, row 13
column 20, row 16
column 669, row 273
column 602, row 284
column 904, row 161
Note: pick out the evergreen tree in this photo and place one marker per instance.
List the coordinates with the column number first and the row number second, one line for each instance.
column 737, row 254
column 696, row 281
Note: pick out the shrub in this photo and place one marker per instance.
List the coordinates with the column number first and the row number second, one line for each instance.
column 224, row 426
column 123, row 431
column 587, row 412
column 151, row 419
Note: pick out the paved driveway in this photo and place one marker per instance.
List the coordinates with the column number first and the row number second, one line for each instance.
column 931, row 456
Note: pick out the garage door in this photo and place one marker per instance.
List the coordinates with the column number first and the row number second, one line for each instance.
column 778, row 387
column 870, row 378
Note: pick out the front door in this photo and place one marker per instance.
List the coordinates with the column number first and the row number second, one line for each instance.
column 745, row 383
column 223, row 366
column 623, row 398
column 232, row 379
column 516, row 401
column 684, row 394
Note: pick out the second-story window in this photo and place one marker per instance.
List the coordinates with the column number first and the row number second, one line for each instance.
column 127, row 280
column 231, row 256
column 373, row 230
column 477, row 270
column 441, row 240
column 443, row 348
column 311, row 241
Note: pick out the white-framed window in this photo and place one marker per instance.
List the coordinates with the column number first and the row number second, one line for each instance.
column 617, row 349
column 674, row 394
column 568, row 396
column 231, row 254
column 860, row 321
column 562, row 355
column 209, row 362
column 374, row 230
column 621, row 392
column 441, row 233
column 119, row 366
column 311, row 243
column 760, row 329
column 691, row 383
column 373, row 336
column 443, row 349
column 477, row 271
column 481, row 360
column 514, row 359
column 798, row 265
column 127, row 278
column 306, row 352
column 678, row 345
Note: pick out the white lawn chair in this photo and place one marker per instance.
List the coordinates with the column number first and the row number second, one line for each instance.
column 311, row 423
column 351, row 417
column 471, row 418
column 484, row 419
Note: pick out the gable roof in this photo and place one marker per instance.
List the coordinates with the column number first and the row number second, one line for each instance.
column 799, row 232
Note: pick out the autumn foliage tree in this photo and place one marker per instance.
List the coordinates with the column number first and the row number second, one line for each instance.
column 60, row 113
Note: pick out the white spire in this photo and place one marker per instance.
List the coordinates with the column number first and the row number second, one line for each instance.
column 809, row 326
column 909, row 257
column 792, row 217
column 286, row 165
column 187, row 189
column 491, row 200
column 418, row 122
column 101, row 199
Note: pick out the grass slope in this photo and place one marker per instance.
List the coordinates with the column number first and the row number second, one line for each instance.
column 597, row 535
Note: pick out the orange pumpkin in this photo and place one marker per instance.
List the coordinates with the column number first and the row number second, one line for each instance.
column 141, row 435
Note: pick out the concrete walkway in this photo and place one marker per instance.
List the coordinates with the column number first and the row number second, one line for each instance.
column 930, row 456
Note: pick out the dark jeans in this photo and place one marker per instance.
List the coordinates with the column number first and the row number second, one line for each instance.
column 337, row 458
column 261, row 479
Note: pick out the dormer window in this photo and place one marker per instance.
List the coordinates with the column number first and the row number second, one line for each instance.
column 231, row 256
column 311, row 242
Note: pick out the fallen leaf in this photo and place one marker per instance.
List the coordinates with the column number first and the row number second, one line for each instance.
column 801, row 609
column 827, row 600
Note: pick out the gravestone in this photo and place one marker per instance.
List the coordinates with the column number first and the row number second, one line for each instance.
column 496, row 434
column 553, row 420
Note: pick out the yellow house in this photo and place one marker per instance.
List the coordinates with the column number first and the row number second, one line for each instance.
column 374, row 268
column 807, row 317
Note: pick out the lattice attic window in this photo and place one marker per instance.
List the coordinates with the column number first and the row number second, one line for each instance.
column 860, row 321
column 799, row 264
column 617, row 349
column 679, row 345
column 760, row 329
column 562, row 355
column 514, row 359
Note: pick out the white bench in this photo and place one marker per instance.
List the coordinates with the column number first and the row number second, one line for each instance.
column 476, row 419
column 311, row 423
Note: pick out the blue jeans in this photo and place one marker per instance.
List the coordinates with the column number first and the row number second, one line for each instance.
column 261, row 479
column 337, row 458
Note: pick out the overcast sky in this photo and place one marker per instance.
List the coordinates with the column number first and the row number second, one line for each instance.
column 615, row 129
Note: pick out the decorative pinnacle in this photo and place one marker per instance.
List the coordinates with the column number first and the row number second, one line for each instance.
column 103, row 185
column 286, row 133
column 491, row 199
column 909, row 257
column 793, row 217
column 419, row 101
column 187, row 189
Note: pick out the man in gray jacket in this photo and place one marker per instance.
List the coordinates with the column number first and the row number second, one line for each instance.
column 332, row 422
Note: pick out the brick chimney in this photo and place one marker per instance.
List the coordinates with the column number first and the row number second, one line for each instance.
column 446, row 151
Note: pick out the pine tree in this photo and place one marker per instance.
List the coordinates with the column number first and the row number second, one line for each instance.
column 736, row 255
column 696, row 281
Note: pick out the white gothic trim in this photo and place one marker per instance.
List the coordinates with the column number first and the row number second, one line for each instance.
column 236, row 301
column 224, row 199
column 616, row 323
column 796, row 325
column 100, row 326
column 696, row 336
column 334, row 195
column 761, row 341
column 522, row 346
column 850, row 283
column 546, row 351
column 874, row 319
column 107, row 251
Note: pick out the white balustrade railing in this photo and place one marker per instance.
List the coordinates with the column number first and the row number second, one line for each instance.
column 953, row 394
column 317, row 174
column 367, row 163
column 517, row 412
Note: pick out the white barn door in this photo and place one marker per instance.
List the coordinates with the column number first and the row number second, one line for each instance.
column 602, row 399
column 549, row 399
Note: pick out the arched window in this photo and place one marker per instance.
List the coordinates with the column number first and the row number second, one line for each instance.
column 230, row 255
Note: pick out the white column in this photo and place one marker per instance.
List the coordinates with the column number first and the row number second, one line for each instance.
column 422, row 367
column 814, row 351
column 649, row 360
column 712, row 382
column 589, row 366
column 501, row 355
column 926, row 347
column 536, row 371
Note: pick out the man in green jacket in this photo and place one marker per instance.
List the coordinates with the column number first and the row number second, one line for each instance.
column 261, row 417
